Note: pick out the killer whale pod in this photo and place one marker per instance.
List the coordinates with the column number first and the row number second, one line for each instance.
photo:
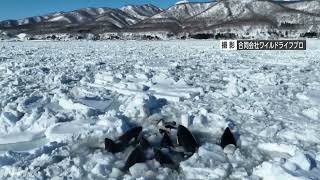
column 186, row 139
column 123, row 141
column 137, row 155
column 227, row 138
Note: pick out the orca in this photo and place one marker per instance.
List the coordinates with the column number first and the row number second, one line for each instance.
column 123, row 141
column 170, row 125
column 227, row 138
column 166, row 141
column 111, row 146
column 130, row 134
column 162, row 158
column 136, row 156
column 186, row 139
column 163, row 131
column 144, row 143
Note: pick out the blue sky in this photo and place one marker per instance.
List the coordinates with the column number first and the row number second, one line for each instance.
column 16, row 9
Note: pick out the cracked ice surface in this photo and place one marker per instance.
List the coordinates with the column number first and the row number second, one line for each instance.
column 59, row 100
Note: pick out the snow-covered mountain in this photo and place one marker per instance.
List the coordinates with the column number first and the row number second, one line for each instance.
column 141, row 12
column 237, row 18
column 86, row 19
column 184, row 10
column 126, row 15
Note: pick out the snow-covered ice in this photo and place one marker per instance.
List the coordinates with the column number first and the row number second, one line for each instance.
column 59, row 100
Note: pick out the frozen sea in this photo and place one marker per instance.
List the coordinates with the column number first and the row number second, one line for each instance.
column 59, row 100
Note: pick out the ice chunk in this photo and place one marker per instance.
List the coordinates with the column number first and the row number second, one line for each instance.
column 312, row 113
column 115, row 173
column 65, row 131
column 20, row 137
column 101, row 169
column 99, row 105
column 290, row 166
column 229, row 149
column 240, row 173
column 232, row 87
column 138, row 170
column 208, row 163
column 22, row 36
column 141, row 106
column 219, row 172
column 185, row 120
column 312, row 95
column 212, row 152
column 102, row 78
column 270, row 171
column 68, row 104
column 155, row 118
column 301, row 160
column 279, row 148
column 9, row 117
column 137, row 107
column 31, row 102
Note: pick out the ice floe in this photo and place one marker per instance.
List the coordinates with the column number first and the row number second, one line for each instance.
column 59, row 100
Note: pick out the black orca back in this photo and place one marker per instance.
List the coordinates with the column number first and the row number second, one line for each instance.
column 136, row 156
column 227, row 138
column 111, row 146
column 130, row 134
column 144, row 143
column 162, row 158
column 186, row 139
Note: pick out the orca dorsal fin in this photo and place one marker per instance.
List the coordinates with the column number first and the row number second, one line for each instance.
column 227, row 138
column 111, row 146
column 162, row 158
column 130, row 134
column 186, row 139
column 144, row 143
column 136, row 156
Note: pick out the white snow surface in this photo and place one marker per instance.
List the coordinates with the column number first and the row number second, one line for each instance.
column 59, row 100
